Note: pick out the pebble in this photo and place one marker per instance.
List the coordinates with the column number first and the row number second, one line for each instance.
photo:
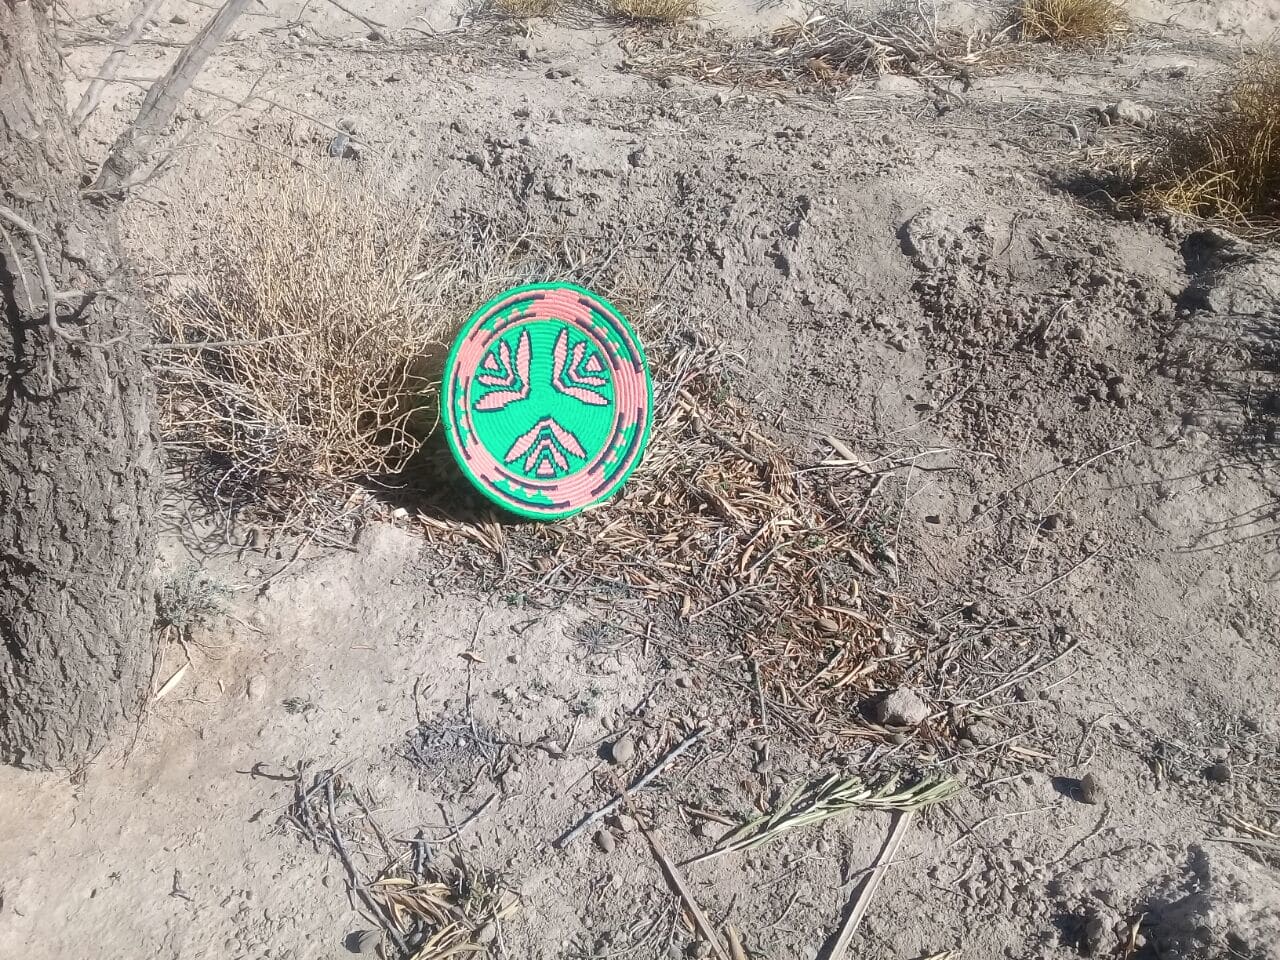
column 623, row 750
column 604, row 840
column 642, row 157
column 901, row 708
column 179, row 19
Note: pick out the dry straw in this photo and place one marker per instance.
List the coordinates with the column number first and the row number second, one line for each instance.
column 1224, row 163
column 522, row 9
column 831, row 797
column 719, row 523
column 653, row 11
column 1070, row 22
column 832, row 48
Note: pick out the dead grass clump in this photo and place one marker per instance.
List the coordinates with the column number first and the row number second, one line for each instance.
column 1224, row 164
column 1071, row 21
column 653, row 11
column 833, row 48
column 298, row 350
column 522, row 9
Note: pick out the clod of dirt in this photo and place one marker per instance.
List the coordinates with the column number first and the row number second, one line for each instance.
column 604, row 840
column 1219, row 772
column 1126, row 111
column 1090, row 789
column 901, row 708
column 256, row 688
column 1094, row 936
column 623, row 750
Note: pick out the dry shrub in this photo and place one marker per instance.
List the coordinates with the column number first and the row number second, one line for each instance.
column 1225, row 162
column 1071, row 21
column 653, row 11
column 300, row 346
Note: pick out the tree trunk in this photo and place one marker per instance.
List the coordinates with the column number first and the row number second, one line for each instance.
column 79, row 466
column 162, row 99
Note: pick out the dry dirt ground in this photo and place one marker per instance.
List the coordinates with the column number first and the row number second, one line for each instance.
column 1063, row 420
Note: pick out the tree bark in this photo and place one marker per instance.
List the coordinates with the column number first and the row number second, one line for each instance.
column 79, row 465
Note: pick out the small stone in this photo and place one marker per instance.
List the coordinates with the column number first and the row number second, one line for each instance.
column 604, row 840
column 684, row 681
column 179, row 19
column 1126, row 111
column 1218, row 772
column 1090, row 789
column 901, row 708
column 487, row 933
column 478, row 160
column 642, row 157
column 396, row 77
column 559, row 73
column 668, row 83
column 256, row 688
column 623, row 750
column 702, row 830
column 625, row 824
column 364, row 941
column 698, row 949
